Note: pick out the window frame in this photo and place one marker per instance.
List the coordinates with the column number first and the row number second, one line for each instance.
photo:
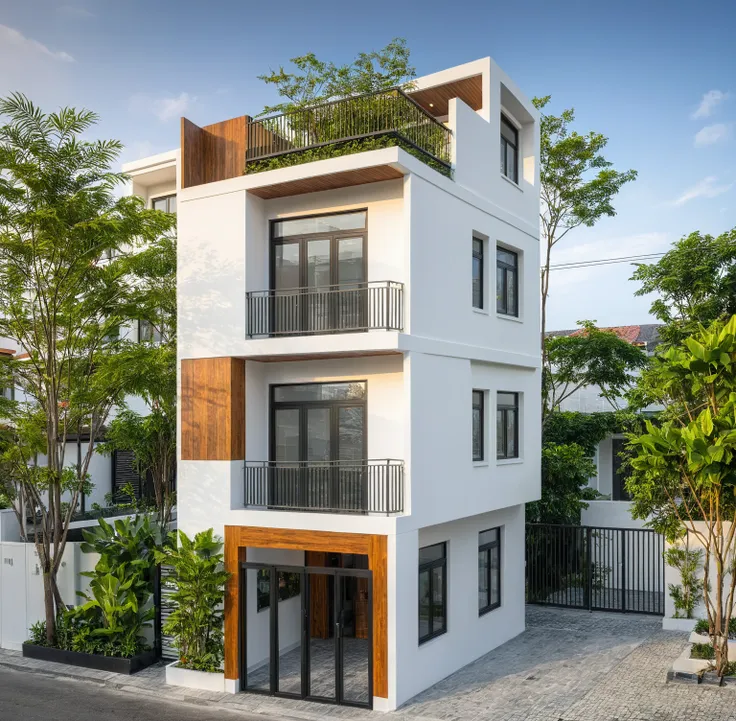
column 507, row 269
column 478, row 255
column 503, row 409
column 428, row 567
column 167, row 198
column 481, row 408
column 154, row 331
column 263, row 604
column 486, row 549
column 505, row 120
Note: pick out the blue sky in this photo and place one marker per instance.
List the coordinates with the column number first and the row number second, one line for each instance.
column 636, row 71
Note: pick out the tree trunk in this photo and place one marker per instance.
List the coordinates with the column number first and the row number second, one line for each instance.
column 49, row 607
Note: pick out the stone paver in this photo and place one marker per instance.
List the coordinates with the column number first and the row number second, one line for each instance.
column 568, row 666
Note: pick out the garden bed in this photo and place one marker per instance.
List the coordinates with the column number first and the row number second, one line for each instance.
column 177, row 675
column 114, row 664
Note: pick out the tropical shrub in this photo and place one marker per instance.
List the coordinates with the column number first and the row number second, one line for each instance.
column 686, row 595
column 200, row 578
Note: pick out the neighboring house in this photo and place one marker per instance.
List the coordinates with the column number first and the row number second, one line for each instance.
column 360, row 380
column 610, row 477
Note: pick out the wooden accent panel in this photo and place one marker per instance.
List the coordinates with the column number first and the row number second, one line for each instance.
column 469, row 90
column 212, row 409
column 347, row 178
column 237, row 538
column 378, row 563
column 214, row 152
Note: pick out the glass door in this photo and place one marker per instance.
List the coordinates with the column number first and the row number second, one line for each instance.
column 321, row 663
column 287, row 309
column 351, row 303
column 354, row 625
column 257, row 655
column 318, row 281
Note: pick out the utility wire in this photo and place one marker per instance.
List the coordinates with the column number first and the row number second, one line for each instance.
column 604, row 261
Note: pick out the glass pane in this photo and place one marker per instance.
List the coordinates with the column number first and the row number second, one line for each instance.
column 489, row 536
column 320, row 392
column 431, row 553
column 511, row 291
column 350, row 260
column 477, row 246
column 286, row 436
column 508, row 131
column 424, row 619
column 503, row 156
column 506, row 400
column 352, row 297
column 160, row 204
column 438, row 599
column 318, row 263
column 495, row 554
column 511, row 162
column 511, row 450
column 172, row 204
column 477, row 283
column 318, row 434
column 286, row 265
column 507, row 257
column 321, row 636
column 500, row 294
column 258, row 645
column 500, row 449
column 477, row 435
column 289, row 630
column 354, row 598
column 263, row 589
column 483, row 589
column 321, row 224
column 351, row 483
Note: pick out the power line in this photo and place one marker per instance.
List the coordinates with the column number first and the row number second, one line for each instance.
column 604, row 261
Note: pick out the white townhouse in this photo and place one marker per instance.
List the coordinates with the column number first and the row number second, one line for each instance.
column 359, row 376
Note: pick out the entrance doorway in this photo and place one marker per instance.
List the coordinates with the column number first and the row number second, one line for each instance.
column 317, row 643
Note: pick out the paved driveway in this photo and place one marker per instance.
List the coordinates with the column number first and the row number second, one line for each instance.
column 576, row 666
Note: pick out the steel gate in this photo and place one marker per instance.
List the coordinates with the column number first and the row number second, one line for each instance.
column 595, row 568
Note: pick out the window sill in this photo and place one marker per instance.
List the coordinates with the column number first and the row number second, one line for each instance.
column 511, row 182
column 512, row 318
column 481, row 464
column 485, row 611
column 425, row 641
column 481, row 311
column 508, row 461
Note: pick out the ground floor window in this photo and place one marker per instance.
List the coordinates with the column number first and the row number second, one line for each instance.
column 432, row 591
column 289, row 586
column 489, row 570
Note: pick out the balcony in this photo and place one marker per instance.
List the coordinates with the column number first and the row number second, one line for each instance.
column 331, row 309
column 326, row 486
column 343, row 127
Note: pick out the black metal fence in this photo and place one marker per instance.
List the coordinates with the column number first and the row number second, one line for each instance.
column 387, row 112
column 332, row 309
column 327, row 486
column 595, row 568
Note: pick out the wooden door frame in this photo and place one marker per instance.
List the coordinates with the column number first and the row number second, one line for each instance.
column 237, row 540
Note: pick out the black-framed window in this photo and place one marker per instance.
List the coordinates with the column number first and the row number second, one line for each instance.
column 148, row 332
column 289, row 586
column 620, row 471
column 167, row 203
column 489, row 570
column 477, row 273
column 507, row 425
column 432, row 591
column 507, row 282
column 509, row 149
column 478, row 425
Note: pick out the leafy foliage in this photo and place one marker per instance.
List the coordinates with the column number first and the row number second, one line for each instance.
column 200, row 578
column 586, row 429
column 592, row 357
column 695, row 282
column 685, row 595
column 67, row 275
column 317, row 81
column 684, row 469
column 578, row 184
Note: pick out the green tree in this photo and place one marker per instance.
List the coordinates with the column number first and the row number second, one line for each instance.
column 591, row 357
column 318, row 81
column 578, row 184
column 695, row 282
column 66, row 243
column 200, row 578
column 684, row 468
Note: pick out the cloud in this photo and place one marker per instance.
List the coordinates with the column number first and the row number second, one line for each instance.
column 705, row 188
column 14, row 40
column 76, row 11
column 708, row 103
column 165, row 108
column 711, row 134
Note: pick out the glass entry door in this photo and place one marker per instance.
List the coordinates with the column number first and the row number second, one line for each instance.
column 317, row 646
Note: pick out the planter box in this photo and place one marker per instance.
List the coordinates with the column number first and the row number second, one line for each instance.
column 90, row 660
column 704, row 638
column 203, row 680
column 678, row 624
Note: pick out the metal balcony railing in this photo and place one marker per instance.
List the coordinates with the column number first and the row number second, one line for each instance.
column 375, row 486
column 330, row 309
column 382, row 113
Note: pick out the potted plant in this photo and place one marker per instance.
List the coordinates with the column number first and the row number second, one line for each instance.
column 107, row 631
column 196, row 623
